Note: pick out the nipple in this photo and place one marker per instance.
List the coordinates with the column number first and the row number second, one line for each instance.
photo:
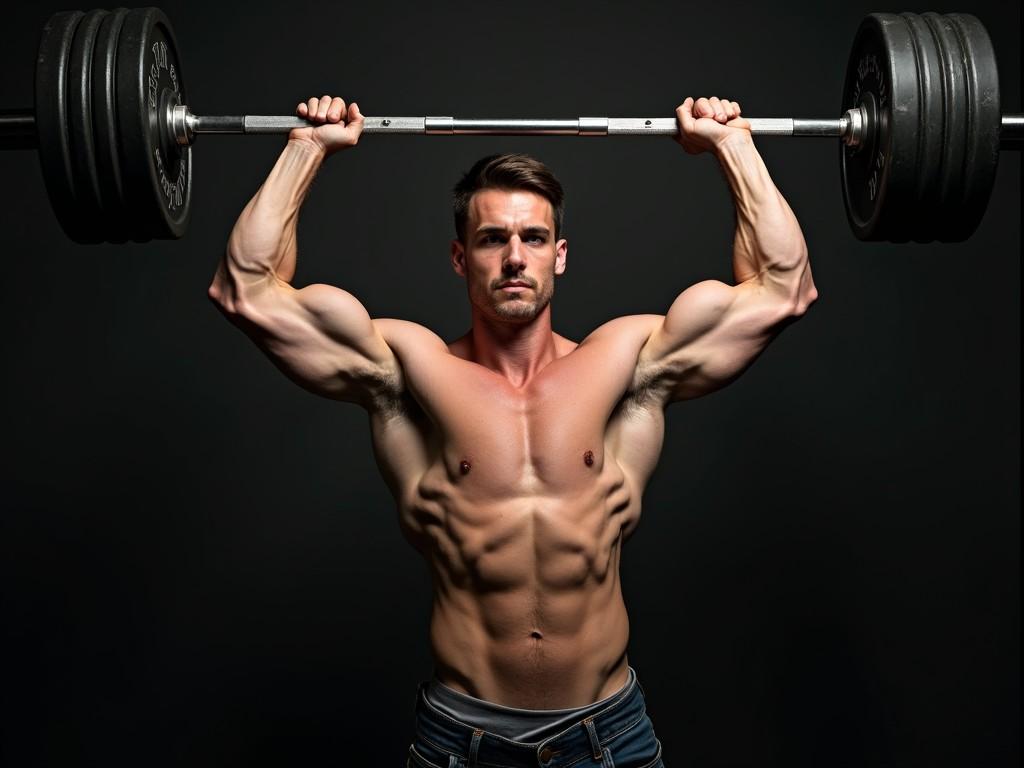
column 464, row 467
column 588, row 458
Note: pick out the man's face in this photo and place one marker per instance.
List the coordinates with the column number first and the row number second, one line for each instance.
column 509, row 239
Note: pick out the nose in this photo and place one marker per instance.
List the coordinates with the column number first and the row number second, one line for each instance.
column 515, row 257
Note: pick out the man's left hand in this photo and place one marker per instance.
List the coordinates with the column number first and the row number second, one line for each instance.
column 705, row 124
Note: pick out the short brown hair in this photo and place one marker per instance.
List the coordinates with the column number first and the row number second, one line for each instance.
column 508, row 171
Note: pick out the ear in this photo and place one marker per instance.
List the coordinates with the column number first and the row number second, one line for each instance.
column 561, row 251
column 458, row 253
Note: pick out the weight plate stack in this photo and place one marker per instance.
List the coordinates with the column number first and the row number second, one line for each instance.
column 156, row 171
column 51, row 96
column 113, row 210
column 880, row 176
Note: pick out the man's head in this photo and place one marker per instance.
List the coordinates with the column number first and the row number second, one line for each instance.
column 508, row 216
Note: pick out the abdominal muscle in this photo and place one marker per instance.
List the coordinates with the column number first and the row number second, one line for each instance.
column 528, row 609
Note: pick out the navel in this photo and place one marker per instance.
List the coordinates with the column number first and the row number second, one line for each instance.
column 536, row 635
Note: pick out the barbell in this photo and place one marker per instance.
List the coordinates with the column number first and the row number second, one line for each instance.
column 920, row 128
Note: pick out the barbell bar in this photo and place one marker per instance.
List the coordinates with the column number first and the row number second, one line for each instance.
column 19, row 128
column 185, row 126
column 920, row 130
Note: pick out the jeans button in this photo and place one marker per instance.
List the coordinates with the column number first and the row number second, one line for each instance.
column 545, row 754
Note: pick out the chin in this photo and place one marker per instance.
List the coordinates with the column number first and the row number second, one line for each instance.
column 516, row 310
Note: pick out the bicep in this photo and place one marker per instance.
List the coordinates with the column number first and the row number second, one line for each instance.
column 319, row 336
column 711, row 334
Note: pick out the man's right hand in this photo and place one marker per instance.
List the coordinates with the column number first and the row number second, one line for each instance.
column 336, row 126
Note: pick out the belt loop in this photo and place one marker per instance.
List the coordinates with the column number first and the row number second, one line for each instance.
column 595, row 744
column 474, row 746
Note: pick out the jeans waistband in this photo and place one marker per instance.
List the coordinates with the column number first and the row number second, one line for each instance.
column 526, row 725
column 581, row 739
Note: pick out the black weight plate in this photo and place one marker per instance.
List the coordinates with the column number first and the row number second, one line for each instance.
column 957, row 109
column 880, row 176
column 982, row 151
column 113, row 208
column 51, row 117
column 80, row 129
column 157, row 171
column 932, row 135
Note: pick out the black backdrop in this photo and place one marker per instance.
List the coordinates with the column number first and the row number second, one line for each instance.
column 200, row 565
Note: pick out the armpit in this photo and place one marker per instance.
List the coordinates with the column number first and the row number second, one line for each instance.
column 651, row 387
column 386, row 391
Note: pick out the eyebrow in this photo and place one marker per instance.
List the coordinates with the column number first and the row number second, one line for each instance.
column 493, row 229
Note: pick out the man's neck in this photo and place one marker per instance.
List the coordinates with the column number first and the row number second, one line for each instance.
column 517, row 351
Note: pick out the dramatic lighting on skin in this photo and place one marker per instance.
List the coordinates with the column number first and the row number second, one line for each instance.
column 515, row 307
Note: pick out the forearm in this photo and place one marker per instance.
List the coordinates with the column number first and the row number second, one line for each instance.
column 768, row 240
column 263, row 241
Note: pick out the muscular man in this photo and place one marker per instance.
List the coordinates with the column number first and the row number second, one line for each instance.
column 518, row 457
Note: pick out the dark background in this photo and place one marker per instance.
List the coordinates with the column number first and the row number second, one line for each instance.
column 201, row 566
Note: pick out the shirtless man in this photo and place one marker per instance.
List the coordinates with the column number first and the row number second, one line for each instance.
column 518, row 457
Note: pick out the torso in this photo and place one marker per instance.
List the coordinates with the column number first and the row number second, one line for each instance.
column 520, row 499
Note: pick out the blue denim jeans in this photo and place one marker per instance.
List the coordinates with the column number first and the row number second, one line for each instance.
column 618, row 736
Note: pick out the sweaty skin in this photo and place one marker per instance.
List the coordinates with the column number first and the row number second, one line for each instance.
column 518, row 457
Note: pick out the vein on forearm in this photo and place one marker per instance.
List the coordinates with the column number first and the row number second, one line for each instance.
column 264, row 238
column 768, row 236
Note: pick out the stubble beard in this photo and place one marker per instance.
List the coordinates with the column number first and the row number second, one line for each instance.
column 518, row 310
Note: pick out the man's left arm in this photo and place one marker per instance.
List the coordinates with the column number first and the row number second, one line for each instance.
column 713, row 331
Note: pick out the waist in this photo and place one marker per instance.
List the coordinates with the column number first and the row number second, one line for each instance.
column 569, row 654
column 519, row 725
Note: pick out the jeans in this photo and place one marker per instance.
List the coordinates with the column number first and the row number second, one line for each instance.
column 620, row 735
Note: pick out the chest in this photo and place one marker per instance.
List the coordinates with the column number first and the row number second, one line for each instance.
column 466, row 430
column 550, row 431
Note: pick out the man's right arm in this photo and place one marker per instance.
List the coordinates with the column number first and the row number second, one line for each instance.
column 320, row 336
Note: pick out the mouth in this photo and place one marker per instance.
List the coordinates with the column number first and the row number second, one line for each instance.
column 514, row 286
